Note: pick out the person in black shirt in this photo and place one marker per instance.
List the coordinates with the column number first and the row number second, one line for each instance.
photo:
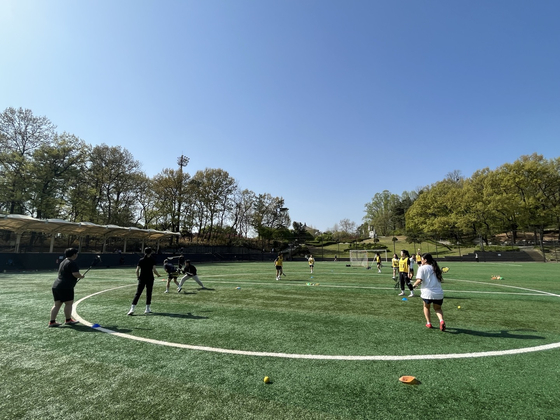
column 190, row 272
column 145, row 271
column 63, row 287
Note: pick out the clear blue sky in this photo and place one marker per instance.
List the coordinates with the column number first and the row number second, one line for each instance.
column 324, row 103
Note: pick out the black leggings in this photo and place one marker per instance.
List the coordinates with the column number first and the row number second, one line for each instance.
column 403, row 278
column 149, row 285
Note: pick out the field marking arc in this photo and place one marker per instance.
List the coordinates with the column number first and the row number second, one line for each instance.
column 544, row 347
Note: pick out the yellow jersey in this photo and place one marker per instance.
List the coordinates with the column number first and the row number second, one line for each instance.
column 403, row 265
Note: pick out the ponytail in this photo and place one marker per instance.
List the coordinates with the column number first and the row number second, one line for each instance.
column 431, row 261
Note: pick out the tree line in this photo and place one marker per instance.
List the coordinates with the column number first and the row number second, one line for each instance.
column 47, row 174
column 515, row 197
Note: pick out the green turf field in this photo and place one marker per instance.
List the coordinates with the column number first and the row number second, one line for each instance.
column 332, row 350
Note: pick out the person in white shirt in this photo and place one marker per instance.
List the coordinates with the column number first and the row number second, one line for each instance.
column 429, row 274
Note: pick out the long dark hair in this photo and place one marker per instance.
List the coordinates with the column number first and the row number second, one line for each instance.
column 430, row 260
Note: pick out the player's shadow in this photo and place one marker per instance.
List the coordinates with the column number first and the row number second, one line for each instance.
column 182, row 316
column 84, row 328
column 496, row 334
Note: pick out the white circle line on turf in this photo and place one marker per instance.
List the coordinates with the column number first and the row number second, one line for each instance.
column 523, row 350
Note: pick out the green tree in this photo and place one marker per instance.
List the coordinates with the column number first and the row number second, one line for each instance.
column 55, row 167
column 21, row 133
column 113, row 181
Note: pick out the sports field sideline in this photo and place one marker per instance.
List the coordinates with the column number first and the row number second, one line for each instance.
column 334, row 344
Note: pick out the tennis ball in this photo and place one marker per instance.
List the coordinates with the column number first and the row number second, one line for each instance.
column 266, row 380
column 458, row 307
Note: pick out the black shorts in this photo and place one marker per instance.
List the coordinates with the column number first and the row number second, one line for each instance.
column 434, row 301
column 63, row 294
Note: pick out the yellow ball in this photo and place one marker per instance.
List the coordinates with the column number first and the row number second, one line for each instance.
column 266, row 380
column 458, row 307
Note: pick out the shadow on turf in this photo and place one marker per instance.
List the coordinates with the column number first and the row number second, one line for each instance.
column 84, row 328
column 497, row 334
column 183, row 316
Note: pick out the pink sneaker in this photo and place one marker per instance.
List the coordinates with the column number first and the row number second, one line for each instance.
column 428, row 325
column 442, row 325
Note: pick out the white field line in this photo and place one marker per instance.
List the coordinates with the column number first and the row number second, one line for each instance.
column 550, row 346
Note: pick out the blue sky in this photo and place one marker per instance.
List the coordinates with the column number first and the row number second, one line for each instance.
column 324, row 103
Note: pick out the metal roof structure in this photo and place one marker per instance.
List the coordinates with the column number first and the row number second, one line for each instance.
column 19, row 223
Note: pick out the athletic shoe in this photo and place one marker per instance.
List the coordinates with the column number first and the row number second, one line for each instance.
column 277, row 278
column 53, row 324
column 442, row 325
column 147, row 311
column 131, row 312
column 411, row 294
column 401, row 293
column 428, row 325
column 71, row 322
column 179, row 289
column 166, row 291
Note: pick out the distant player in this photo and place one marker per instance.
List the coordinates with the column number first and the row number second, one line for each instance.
column 378, row 262
column 190, row 272
column 311, row 262
column 172, row 273
column 405, row 272
column 395, row 265
column 278, row 265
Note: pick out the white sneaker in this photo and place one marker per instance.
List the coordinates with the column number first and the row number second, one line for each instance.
column 131, row 312
column 166, row 291
column 411, row 294
column 401, row 293
column 147, row 311
column 178, row 290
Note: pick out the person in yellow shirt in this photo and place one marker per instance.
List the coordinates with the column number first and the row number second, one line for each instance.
column 395, row 265
column 311, row 262
column 418, row 258
column 278, row 264
column 378, row 262
column 405, row 273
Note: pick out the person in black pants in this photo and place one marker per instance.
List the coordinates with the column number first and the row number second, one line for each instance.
column 405, row 272
column 145, row 271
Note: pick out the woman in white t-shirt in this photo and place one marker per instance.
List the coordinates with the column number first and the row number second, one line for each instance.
column 430, row 276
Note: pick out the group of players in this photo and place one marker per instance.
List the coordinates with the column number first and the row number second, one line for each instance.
column 69, row 275
column 429, row 275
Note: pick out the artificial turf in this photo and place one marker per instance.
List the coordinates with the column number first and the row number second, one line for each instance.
column 79, row 372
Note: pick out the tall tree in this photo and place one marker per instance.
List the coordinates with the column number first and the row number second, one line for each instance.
column 171, row 189
column 21, row 133
column 113, row 181
column 55, row 167
column 215, row 189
